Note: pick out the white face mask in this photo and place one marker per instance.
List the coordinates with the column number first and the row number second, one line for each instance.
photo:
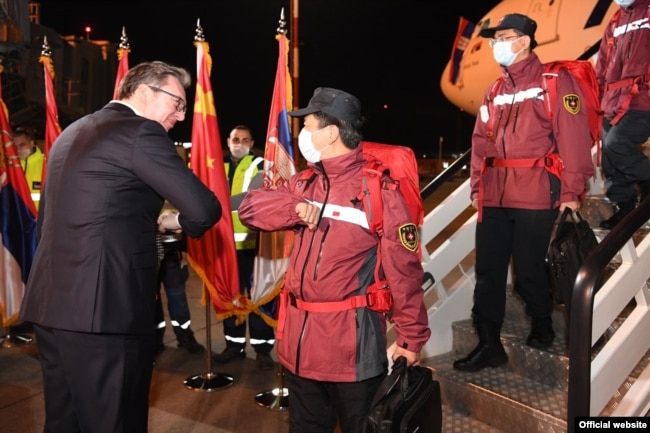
column 307, row 148
column 502, row 52
column 24, row 152
column 624, row 3
column 239, row 152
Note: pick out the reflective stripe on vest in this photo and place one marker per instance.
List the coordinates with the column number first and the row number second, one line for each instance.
column 245, row 239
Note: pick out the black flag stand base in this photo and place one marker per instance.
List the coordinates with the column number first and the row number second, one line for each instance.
column 209, row 381
column 277, row 398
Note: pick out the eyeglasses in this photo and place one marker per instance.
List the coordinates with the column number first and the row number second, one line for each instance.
column 502, row 39
column 181, row 106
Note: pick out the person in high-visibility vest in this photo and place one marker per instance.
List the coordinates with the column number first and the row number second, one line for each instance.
column 241, row 168
column 31, row 159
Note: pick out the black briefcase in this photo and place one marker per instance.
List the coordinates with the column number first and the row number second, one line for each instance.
column 573, row 242
column 407, row 401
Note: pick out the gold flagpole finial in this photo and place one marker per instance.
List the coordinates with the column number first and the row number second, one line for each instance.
column 282, row 24
column 46, row 51
column 199, row 36
column 124, row 40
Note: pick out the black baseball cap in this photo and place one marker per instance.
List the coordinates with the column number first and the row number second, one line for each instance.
column 334, row 102
column 518, row 22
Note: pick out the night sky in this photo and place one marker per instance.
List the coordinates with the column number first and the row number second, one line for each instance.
column 389, row 53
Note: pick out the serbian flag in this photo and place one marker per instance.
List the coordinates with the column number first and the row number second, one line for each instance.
column 17, row 225
column 463, row 35
column 52, row 128
column 274, row 248
column 123, row 62
column 213, row 256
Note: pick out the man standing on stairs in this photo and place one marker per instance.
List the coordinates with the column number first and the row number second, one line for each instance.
column 525, row 166
column 623, row 71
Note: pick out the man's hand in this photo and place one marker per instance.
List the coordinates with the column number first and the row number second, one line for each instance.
column 412, row 358
column 308, row 213
column 573, row 205
column 168, row 222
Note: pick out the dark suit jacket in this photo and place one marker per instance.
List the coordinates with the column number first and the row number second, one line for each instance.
column 95, row 266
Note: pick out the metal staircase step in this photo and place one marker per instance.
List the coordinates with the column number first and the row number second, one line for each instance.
column 549, row 367
column 500, row 398
column 454, row 421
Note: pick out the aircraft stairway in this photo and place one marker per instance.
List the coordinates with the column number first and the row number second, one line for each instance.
column 604, row 372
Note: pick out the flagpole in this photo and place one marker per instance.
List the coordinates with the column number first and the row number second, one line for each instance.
column 295, row 74
column 123, row 62
column 276, row 398
column 210, row 380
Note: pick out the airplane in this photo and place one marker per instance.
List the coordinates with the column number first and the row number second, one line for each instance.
column 566, row 29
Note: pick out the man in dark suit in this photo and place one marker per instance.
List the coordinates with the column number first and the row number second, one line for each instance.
column 92, row 288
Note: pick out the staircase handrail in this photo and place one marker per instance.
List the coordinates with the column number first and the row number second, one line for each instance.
column 590, row 280
column 446, row 174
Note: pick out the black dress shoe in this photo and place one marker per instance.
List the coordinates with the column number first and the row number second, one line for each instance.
column 541, row 334
column 481, row 357
column 624, row 208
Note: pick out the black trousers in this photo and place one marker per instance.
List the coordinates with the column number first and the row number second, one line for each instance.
column 95, row 383
column 173, row 278
column 316, row 406
column 624, row 162
column 524, row 236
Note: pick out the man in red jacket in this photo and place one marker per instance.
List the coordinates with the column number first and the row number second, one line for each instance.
column 525, row 166
column 334, row 353
column 623, row 71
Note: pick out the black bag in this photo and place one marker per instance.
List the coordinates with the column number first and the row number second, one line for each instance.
column 574, row 240
column 407, row 401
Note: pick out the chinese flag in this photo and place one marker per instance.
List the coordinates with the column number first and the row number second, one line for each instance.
column 17, row 225
column 52, row 128
column 213, row 256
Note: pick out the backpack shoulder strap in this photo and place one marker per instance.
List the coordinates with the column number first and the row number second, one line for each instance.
column 370, row 196
column 494, row 90
column 549, row 86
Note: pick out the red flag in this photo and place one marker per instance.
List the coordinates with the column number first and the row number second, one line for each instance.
column 123, row 63
column 17, row 225
column 213, row 256
column 52, row 128
column 275, row 247
column 463, row 35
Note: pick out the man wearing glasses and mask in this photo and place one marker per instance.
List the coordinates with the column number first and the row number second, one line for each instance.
column 92, row 288
column 516, row 192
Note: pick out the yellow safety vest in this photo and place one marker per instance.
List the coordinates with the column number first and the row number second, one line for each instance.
column 245, row 238
column 33, row 169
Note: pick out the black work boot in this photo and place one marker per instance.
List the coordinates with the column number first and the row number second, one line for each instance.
column 229, row 354
column 624, row 208
column 541, row 333
column 488, row 353
column 185, row 340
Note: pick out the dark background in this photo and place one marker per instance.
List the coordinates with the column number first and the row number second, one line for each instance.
column 389, row 53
